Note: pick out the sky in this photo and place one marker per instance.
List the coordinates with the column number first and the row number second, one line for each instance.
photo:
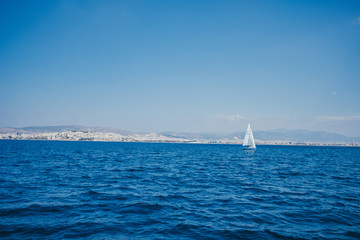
column 184, row 66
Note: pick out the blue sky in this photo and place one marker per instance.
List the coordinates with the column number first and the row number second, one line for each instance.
column 199, row 66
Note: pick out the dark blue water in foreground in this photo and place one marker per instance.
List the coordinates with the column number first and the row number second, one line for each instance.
column 101, row 190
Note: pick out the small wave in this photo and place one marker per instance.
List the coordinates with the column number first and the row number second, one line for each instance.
column 238, row 234
column 27, row 231
column 353, row 234
column 139, row 208
column 34, row 209
column 281, row 235
column 135, row 170
column 92, row 193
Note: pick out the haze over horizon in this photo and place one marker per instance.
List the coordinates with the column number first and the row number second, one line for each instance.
column 182, row 66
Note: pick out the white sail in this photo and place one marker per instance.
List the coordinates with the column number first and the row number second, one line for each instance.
column 249, row 142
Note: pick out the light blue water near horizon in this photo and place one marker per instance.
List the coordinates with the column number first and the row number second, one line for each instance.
column 103, row 190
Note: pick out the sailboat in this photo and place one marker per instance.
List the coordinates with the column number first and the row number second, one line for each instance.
column 249, row 142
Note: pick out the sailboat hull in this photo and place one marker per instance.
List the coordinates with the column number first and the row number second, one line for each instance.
column 249, row 148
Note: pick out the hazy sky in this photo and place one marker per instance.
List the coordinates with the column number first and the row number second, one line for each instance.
column 200, row 66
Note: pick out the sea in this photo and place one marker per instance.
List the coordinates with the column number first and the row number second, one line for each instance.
column 113, row 190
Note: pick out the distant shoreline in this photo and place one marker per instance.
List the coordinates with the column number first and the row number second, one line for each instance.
column 200, row 142
column 271, row 137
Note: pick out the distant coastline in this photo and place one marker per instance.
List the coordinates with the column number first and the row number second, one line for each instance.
column 98, row 134
column 201, row 142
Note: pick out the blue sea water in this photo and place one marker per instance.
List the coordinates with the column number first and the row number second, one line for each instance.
column 103, row 190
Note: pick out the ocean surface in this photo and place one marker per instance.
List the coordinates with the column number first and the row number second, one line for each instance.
column 104, row 190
